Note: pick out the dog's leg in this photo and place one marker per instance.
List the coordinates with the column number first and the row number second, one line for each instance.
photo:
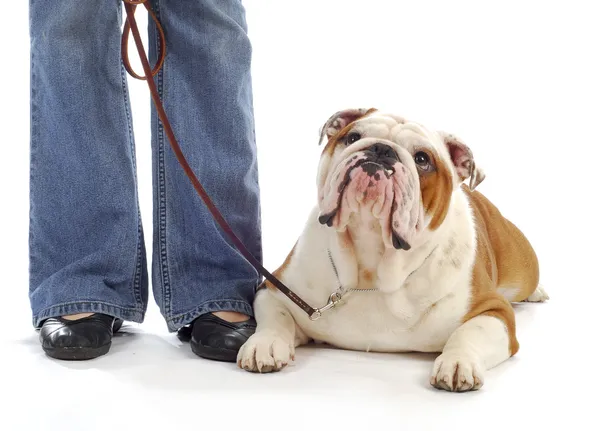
column 273, row 344
column 479, row 344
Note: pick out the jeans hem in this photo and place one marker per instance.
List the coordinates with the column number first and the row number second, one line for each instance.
column 127, row 314
column 176, row 322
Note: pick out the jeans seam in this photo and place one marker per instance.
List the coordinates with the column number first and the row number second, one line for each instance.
column 64, row 304
column 34, row 133
column 138, row 257
column 212, row 301
column 162, row 190
column 176, row 320
column 97, row 305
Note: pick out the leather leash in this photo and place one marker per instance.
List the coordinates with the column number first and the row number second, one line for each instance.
column 131, row 26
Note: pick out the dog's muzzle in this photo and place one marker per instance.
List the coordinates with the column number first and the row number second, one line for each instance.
column 374, row 179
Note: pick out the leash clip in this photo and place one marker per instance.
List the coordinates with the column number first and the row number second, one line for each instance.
column 334, row 299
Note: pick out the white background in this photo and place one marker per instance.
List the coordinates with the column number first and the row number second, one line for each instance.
column 519, row 81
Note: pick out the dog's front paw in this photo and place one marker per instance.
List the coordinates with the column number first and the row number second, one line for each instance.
column 265, row 352
column 457, row 372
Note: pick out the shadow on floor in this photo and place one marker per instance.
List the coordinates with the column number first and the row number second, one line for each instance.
column 163, row 363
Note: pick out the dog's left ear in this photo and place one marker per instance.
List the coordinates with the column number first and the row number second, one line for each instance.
column 341, row 119
column 463, row 160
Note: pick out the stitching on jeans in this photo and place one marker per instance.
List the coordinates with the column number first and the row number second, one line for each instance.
column 162, row 190
column 34, row 137
column 97, row 303
column 137, row 269
column 224, row 303
column 131, row 314
column 218, row 302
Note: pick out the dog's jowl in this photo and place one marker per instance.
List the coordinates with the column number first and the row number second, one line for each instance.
column 421, row 260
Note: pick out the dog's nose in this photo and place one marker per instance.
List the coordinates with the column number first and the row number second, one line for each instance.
column 383, row 151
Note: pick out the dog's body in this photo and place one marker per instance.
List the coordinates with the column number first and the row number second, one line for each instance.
column 422, row 263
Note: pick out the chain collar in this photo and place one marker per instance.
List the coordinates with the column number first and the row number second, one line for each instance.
column 336, row 297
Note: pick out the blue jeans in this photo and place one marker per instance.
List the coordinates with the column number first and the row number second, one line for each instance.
column 87, row 249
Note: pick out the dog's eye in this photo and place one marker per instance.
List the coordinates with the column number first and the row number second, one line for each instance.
column 352, row 138
column 422, row 160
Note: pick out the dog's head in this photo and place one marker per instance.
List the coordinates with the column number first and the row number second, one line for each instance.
column 395, row 172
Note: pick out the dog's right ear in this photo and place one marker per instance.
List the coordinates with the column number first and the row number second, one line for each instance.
column 341, row 119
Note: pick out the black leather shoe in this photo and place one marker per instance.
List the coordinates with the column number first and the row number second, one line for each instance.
column 219, row 340
column 81, row 339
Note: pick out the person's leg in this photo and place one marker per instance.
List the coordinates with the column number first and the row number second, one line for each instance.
column 86, row 242
column 207, row 93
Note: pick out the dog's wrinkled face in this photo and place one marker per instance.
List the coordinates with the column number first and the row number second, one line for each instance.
column 394, row 171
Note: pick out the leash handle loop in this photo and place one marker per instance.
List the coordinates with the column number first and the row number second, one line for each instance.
column 125, row 40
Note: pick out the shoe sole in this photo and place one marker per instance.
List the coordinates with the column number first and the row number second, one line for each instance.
column 213, row 353
column 77, row 353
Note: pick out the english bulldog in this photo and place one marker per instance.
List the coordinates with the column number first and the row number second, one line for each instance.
column 412, row 257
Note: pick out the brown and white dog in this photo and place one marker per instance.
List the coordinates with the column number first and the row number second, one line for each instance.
column 421, row 261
